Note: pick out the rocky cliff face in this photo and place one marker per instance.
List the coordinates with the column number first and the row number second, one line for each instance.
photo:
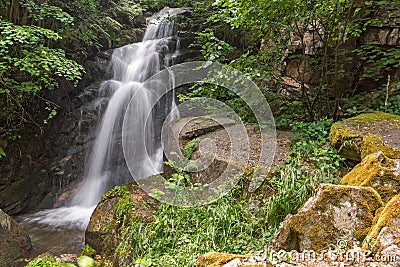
column 42, row 163
column 356, row 73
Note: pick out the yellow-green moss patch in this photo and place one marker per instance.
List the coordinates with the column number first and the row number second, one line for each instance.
column 377, row 116
column 215, row 259
column 376, row 171
column 386, row 231
column 367, row 133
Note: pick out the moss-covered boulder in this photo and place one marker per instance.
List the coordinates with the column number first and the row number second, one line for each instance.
column 14, row 241
column 357, row 137
column 215, row 259
column 377, row 171
column 336, row 212
column 384, row 236
column 119, row 208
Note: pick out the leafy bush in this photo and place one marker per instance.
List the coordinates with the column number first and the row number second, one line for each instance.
column 27, row 67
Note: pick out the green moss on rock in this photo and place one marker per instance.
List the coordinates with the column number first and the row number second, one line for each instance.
column 336, row 212
column 367, row 133
column 376, row 171
column 119, row 208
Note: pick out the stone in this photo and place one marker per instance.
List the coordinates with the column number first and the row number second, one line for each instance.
column 377, row 171
column 385, row 233
column 357, row 137
column 118, row 208
column 14, row 241
column 221, row 135
column 335, row 213
column 66, row 258
column 85, row 261
column 215, row 259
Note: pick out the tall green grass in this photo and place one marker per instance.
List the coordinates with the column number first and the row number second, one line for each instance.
column 236, row 223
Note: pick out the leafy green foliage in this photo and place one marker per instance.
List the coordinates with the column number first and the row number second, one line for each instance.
column 98, row 25
column 27, row 67
column 47, row 260
column 212, row 48
column 46, row 13
column 2, row 153
column 188, row 150
column 311, row 35
column 384, row 99
column 378, row 60
column 87, row 250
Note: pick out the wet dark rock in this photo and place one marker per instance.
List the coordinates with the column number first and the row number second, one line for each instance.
column 14, row 242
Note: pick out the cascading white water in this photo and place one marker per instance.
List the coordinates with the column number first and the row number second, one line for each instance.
column 132, row 65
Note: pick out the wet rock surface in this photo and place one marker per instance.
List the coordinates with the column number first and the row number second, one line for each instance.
column 14, row 242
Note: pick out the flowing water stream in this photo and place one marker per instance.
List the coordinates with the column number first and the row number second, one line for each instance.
column 61, row 230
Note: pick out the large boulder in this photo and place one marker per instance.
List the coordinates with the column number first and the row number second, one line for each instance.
column 366, row 134
column 336, row 213
column 378, row 172
column 222, row 135
column 14, row 241
column 384, row 235
column 118, row 209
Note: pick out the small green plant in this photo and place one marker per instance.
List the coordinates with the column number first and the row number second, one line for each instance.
column 188, row 150
column 118, row 191
column 212, row 48
column 2, row 153
column 47, row 260
column 87, row 250
column 143, row 262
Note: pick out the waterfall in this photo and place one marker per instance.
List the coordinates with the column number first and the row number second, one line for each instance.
column 132, row 65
